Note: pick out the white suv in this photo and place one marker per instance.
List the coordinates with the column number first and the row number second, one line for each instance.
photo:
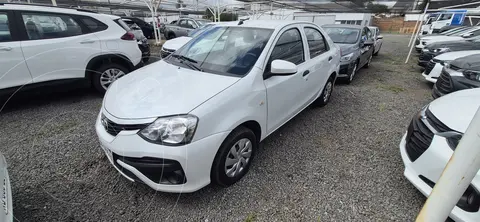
column 198, row 115
column 42, row 45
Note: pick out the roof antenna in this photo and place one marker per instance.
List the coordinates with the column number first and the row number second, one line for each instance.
column 241, row 21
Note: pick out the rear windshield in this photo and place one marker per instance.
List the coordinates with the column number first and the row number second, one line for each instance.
column 122, row 24
column 343, row 35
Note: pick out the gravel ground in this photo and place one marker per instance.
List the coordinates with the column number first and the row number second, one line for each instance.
column 337, row 163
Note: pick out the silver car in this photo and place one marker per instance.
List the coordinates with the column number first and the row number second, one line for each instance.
column 356, row 45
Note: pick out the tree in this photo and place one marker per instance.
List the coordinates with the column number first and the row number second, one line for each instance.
column 377, row 8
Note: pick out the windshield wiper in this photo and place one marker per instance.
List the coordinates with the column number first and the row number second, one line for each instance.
column 187, row 61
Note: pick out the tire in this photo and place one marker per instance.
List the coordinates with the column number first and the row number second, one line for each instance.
column 369, row 61
column 218, row 174
column 354, row 71
column 98, row 74
column 324, row 98
column 376, row 54
column 145, row 59
column 171, row 36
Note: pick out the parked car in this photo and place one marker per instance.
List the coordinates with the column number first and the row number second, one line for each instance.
column 458, row 36
column 183, row 26
column 435, row 49
column 142, row 41
column 434, row 68
column 173, row 45
column 378, row 39
column 146, row 27
column 461, row 73
column 430, row 140
column 161, row 125
column 90, row 47
column 356, row 46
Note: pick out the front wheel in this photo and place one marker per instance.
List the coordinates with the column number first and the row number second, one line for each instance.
column 324, row 98
column 106, row 74
column 369, row 61
column 234, row 158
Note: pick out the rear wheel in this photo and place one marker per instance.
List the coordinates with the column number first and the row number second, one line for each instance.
column 369, row 61
column 234, row 158
column 106, row 74
column 324, row 98
column 171, row 35
column 376, row 54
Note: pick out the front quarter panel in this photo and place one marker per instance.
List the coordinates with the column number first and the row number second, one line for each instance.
column 243, row 101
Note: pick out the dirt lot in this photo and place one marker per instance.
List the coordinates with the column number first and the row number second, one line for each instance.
column 337, row 163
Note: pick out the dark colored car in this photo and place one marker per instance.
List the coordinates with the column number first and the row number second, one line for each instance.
column 461, row 73
column 144, row 46
column 434, row 49
column 147, row 29
column 356, row 46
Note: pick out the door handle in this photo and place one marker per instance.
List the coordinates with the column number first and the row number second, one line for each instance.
column 87, row 41
column 306, row 72
column 5, row 48
column 330, row 58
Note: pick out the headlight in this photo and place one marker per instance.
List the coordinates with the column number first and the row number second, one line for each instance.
column 472, row 75
column 453, row 141
column 172, row 130
column 441, row 50
column 347, row 57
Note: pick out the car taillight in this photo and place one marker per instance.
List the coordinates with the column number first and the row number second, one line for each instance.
column 128, row 36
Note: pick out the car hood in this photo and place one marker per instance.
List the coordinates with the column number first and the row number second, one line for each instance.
column 449, row 56
column 162, row 89
column 176, row 43
column 456, row 110
column 348, row 48
column 454, row 45
column 471, row 62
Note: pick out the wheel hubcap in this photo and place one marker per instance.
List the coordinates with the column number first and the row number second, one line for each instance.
column 353, row 72
column 109, row 76
column 327, row 91
column 238, row 157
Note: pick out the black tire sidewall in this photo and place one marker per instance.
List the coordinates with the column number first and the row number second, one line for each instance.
column 319, row 101
column 218, row 175
column 98, row 72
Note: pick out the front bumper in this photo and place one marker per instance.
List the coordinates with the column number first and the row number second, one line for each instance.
column 452, row 82
column 433, row 74
column 130, row 155
column 346, row 68
column 430, row 165
column 425, row 57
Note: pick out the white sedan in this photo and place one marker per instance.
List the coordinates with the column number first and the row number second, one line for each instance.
column 430, row 141
column 434, row 68
column 198, row 116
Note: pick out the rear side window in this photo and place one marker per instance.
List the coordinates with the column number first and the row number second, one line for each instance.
column 5, row 35
column 50, row 26
column 289, row 47
column 316, row 42
column 93, row 25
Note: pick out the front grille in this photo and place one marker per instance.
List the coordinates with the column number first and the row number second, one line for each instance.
column 436, row 123
column 113, row 128
column 425, row 56
column 444, row 83
column 344, row 69
column 429, row 67
column 418, row 138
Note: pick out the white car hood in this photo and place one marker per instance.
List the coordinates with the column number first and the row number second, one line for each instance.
column 449, row 56
column 176, row 43
column 456, row 110
column 441, row 38
column 162, row 89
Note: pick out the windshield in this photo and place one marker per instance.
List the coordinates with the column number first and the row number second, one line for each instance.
column 463, row 31
column 198, row 31
column 343, row 35
column 223, row 50
column 203, row 22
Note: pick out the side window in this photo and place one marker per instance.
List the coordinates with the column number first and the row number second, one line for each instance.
column 5, row 35
column 93, row 25
column 289, row 47
column 182, row 23
column 369, row 33
column 316, row 42
column 49, row 26
column 191, row 24
column 364, row 35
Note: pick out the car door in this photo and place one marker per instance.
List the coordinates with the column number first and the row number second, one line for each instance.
column 182, row 27
column 364, row 49
column 191, row 25
column 13, row 69
column 318, row 61
column 56, row 46
column 285, row 94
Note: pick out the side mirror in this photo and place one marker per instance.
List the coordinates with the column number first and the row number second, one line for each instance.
column 380, row 37
column 282, row 68
column 368, row 43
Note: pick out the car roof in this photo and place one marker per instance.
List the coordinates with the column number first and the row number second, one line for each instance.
column 269, row 24
column 47, row 8
column 343, row 26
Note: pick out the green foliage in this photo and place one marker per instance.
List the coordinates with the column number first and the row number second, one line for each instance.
column 224, row 17
column 377, row 8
